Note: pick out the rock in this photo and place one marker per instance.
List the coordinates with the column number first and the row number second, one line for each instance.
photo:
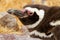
column 9, row 21
column 15, row 37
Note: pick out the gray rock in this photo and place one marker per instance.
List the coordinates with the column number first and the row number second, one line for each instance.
column 15, row 37
column 7, row 20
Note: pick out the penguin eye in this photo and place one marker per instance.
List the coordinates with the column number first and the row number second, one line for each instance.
column 31, row 13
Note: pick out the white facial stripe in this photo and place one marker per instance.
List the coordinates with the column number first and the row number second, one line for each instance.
column 55, row 23
column 30, row 9
column 40, row 13
column 40, row 34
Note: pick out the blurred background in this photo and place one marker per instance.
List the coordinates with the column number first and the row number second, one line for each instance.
column 18, row 4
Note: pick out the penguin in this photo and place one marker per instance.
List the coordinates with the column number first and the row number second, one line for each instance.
column 39, row 19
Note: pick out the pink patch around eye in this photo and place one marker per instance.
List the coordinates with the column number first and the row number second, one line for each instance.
column 30, row 13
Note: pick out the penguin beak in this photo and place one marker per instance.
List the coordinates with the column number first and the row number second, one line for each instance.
column 17, row 13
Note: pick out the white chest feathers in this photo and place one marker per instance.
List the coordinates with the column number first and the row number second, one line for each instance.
column 40, row 13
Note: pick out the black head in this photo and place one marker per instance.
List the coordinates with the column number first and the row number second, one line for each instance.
column 29, row 15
